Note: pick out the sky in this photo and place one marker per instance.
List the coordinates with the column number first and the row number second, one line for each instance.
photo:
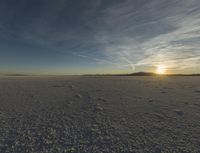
column 99, row 36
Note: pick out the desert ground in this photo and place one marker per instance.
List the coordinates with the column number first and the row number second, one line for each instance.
column 100, row 114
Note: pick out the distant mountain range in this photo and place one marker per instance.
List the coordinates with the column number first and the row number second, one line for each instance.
column 143, row 74
column 131, row 74
column 154, row 74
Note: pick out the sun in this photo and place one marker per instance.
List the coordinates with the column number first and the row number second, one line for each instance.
column 161, row 69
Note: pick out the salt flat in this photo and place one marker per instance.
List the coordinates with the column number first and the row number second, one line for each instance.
column 96, row 114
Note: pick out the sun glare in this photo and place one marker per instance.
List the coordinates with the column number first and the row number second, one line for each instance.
column 161, row 69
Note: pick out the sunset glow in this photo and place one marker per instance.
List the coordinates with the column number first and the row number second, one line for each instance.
column 161, row 69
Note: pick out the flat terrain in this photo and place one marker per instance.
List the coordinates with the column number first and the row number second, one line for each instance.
column 102, row 114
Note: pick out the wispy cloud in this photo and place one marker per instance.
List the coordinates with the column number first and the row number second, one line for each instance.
column 159, row 30
column 126, row 34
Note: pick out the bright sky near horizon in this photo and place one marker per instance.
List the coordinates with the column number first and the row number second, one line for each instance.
column 99, row 36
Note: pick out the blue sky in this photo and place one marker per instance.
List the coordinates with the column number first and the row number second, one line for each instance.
column 99, row 36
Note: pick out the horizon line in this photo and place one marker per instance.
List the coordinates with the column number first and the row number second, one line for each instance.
column 141, row 73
